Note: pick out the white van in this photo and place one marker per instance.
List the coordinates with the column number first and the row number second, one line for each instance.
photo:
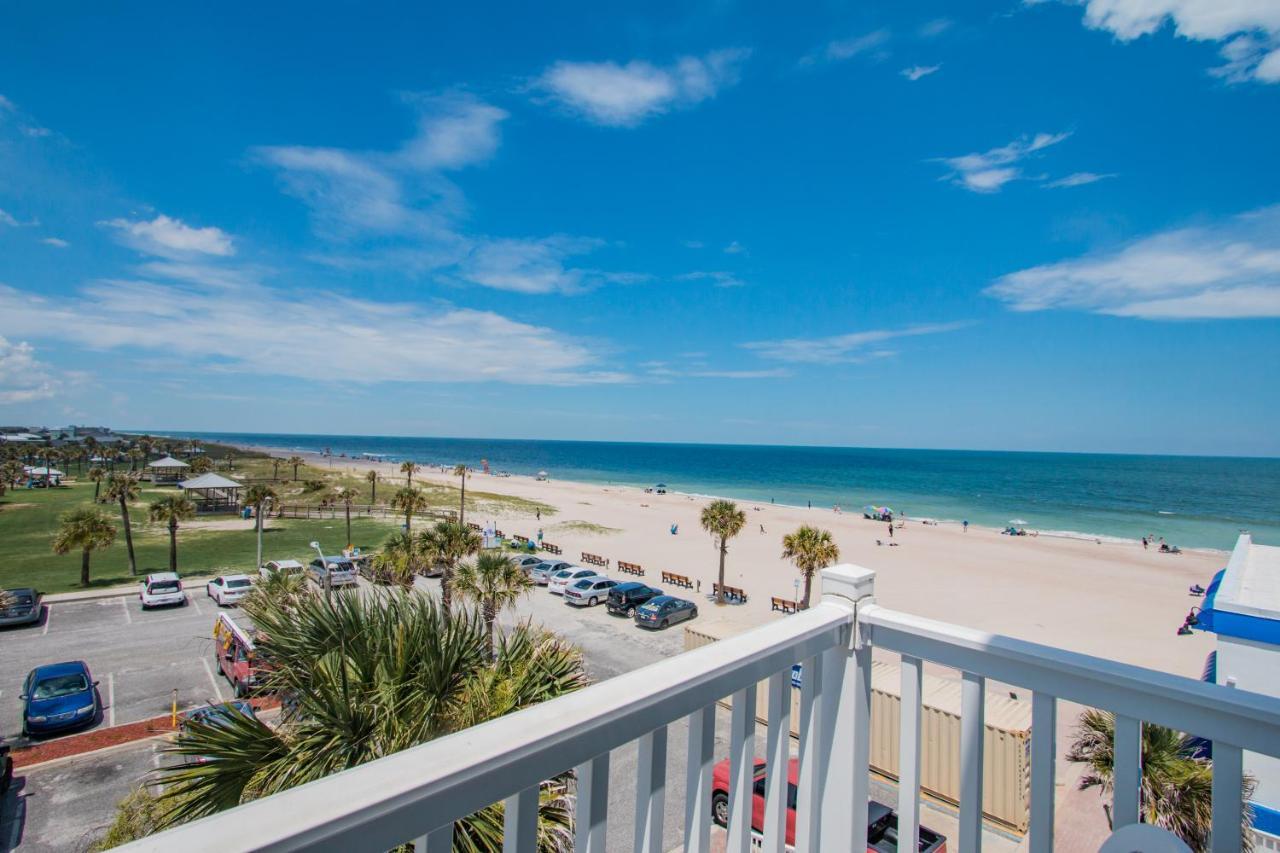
column 339, row 570
column 161, row 589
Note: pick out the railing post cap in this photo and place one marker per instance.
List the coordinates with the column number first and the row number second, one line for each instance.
column 848, row 581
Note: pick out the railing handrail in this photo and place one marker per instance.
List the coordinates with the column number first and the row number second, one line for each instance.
column 1211, row 711
column 405, row 795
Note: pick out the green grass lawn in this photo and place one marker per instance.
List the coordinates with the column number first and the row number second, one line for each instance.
column 29, row 521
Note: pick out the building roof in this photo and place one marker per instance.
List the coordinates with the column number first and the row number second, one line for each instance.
column 168, row 462
column 210, row 481
column 1244, row 598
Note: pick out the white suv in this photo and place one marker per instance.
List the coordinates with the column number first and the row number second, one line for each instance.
column 161, row 589
column 229, row 589
column 286, row 567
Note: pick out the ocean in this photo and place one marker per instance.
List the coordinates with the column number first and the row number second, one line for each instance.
column 1193, row 502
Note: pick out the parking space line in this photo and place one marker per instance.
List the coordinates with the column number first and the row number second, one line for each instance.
column 212, row 680
column 111, row 698
column 48, row 617
column 196, row 605
column 124, row 600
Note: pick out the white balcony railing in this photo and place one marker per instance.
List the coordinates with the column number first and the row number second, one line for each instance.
column 417, row 794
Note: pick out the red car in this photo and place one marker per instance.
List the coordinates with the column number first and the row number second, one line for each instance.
column 882, row 822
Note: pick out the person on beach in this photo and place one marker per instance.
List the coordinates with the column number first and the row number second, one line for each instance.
column 539, row 535
column 891, row 530
column 539, row 514
column 965, row 525
column 675, row 528
column 762, row 530
column 1146, row 543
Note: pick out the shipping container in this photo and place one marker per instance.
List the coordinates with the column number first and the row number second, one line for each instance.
column 1006, row 769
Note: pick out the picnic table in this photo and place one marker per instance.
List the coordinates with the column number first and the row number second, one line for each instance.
column 677, row 580
column 630, row 568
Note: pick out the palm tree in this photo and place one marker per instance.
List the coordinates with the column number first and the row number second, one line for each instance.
column 372, row 477
column 409, row 501
column 13, row 471
column 409, row 469
column 494, row 582
column 97, row 474
column 87, row 529
column 347, row 496
column 399, row 560
column 257, row 495
column 136, row 454
column 171, row 510
column 723, row 520
column 201, row 465
column 811, row 550
column 1176, row 792
column 449, row 543
column 460, row 471
column 123, row 488
column 404, row 673
column 295, row 461
column 276, row 462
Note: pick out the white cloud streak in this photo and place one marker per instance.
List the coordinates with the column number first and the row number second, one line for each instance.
column 988, row 171
column 851, row 348
column 840, row 50
column 1076, row 179
column 625, row 95
column 718, row 278
column 168, row 237
column 23, row 378
column 56, row 242
column 1227, row 270
column 915, row 72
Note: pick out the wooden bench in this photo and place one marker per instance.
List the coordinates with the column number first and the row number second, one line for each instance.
column 677, row 580
column 785, row 605
column 551, row 549
column 473, row 526
column 630, row 568
column 520, row 540
column 595, row 560
column 732, row 593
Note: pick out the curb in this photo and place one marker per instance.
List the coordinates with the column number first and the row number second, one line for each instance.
column 67, row 759
column 108, row 592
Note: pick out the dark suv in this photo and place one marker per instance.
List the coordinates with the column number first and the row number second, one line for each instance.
column 626, row 597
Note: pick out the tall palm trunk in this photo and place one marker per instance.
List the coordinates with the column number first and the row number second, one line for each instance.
column 720, row 589
column 348, row 507
column 128, row 536
column 173, row 544
column 446, row 589
column 462, row 502
column 373, row 491
column 490, row 610
column 257, row 518
column 97, row 487
column 84, row 567
column 408, row 521
column 808, row 585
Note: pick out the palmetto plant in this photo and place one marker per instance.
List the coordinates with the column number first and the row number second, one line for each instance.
column 85, row 530
column 123, row 488
column 369, row 676
column 494, row 582
column 409, row 501
column 346, row 495
column 372, row 477
column 171, row 510
column 723, row 520
column 294, row 461
column 460, row 471
column 13, row 471
column 449, row 543
column 201, row 465
column 409, row 469
column 256, row 496
column 97, row 475
column 811, row 550
column 399, row 560
column 1177, row 784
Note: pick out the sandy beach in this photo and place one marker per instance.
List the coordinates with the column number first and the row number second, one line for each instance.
column 1112, row 599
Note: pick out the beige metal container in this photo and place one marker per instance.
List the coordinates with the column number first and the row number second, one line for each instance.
column 1006, row 779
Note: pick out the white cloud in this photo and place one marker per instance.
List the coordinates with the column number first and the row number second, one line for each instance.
column 168, row 237
column 529, row 266
column 718, row 278
column 330, row 337
column 453, row 131
column 1249, row 30
column 694, row 244
column 851, row 348
column 936, row 27
column 22, row 377
column 626, row 95
column 734, row 248
column 988, row 171
column 1077, row 179
column 915, row 72
column 1230, row 269
column 841, row 49
column 6, row 218
column 57, row 242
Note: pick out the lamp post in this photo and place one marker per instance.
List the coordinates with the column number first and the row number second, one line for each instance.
column 328, row 579
column 261, row 523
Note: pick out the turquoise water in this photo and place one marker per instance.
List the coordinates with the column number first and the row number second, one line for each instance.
column 1194, row 502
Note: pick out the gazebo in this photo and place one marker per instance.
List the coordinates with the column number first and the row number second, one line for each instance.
column 167, row 470
column 213, row 493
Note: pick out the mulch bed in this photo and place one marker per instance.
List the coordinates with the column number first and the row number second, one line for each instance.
column 78, row 744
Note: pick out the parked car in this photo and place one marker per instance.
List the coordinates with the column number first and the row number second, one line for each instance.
column 228, row 589
column 664, row 610
column 6, row 768
column 626, row 597
column 542, row 572
column 882, row 821
column 217, row 714
column 557, row 583
column 287, row 567
column 59, row 696
column 589, row 592
column 235, row 653
column 339, row 570
column 527, row 562
column 162, row 589
column 24, row 607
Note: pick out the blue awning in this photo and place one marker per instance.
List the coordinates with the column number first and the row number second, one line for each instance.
column 1228, row 623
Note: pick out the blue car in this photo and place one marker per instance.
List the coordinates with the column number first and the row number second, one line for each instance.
column 59, row 696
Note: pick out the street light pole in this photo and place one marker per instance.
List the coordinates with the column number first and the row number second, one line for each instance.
column 328, row 576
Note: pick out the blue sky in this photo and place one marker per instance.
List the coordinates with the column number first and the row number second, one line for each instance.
column 1044, row 225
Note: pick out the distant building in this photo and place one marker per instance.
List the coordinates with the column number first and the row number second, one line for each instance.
column 1242, row 606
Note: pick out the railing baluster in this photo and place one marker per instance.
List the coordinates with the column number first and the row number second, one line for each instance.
column 812, row 758
column 520, row 822
column 742, row 762
column 436, row 841
column 1127, row 761
column 909, row 755
column 651, row 791
column 1044, row 756
column 1228, row 800
column 973, row 690
column 697, row 789
column 778, row 762
column 846, row 733
column 592, row 815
